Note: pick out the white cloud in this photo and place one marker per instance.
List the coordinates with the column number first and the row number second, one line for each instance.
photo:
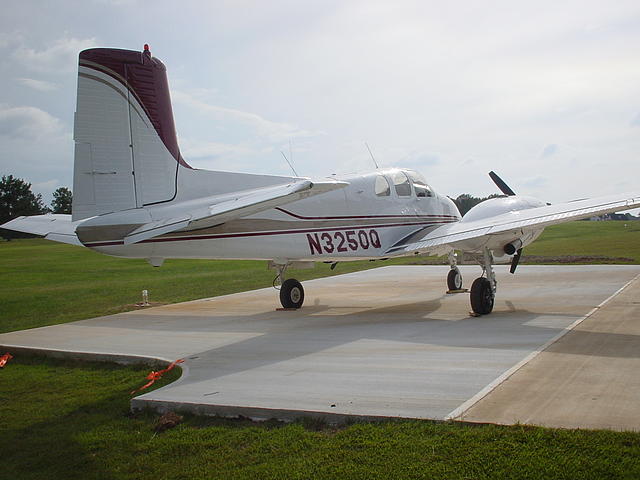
column 37, row 147
column 40, row 85
column 28, row 123
column 549, row 150
column 6, row 39
column 116, row 3
column 271, row 131
column 60, row 57
column 191, row 148
column 46, row 186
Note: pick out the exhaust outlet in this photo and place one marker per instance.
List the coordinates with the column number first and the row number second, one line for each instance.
column 513, row 247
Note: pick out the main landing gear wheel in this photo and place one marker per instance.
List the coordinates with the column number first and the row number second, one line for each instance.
column 454, row 279
column 291, row 293
column 482, row 296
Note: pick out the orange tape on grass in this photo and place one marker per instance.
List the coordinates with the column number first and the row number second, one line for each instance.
column 4, row 359
column 153, row 375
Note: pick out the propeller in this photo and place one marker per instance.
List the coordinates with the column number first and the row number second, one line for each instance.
column 504, row 188
column 515, row 260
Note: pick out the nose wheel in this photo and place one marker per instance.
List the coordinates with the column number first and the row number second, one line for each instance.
column 454, row 279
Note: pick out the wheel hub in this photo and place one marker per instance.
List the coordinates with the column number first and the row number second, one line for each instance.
column 295, row 295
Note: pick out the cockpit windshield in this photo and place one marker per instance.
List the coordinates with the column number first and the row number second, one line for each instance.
column 382, row 187
column 401, row 183
column 420, row 184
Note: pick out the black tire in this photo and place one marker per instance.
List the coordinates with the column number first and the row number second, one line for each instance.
column 291, row 293
column 454, row 279
column 481, row 296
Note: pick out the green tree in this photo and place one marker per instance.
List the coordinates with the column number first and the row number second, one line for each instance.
column 61, row 202
column 16, row 199
column 466, row 202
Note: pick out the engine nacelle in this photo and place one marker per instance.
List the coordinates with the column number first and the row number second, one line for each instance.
column 500, row 205
column 506, row 243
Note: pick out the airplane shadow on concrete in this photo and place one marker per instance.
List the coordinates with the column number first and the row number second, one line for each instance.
column 283, row 336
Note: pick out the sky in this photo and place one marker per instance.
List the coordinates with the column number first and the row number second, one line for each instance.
column 545, row 93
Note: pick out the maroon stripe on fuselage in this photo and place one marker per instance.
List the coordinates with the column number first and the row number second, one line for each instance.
column 350, row 217
column 259, row 234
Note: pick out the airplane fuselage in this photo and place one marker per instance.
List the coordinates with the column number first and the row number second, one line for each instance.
column 360, row 221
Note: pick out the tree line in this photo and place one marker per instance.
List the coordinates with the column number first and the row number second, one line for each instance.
column 17, row 199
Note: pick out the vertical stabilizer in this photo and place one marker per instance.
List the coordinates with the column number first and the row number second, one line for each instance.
column 126, row 152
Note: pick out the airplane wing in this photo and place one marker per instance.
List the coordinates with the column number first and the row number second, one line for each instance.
column 219, row 209
column 55, row 227
column 457, row 235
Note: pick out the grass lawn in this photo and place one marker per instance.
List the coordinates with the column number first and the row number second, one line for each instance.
column 609, row 241
column 60, row 419
column 70, row 420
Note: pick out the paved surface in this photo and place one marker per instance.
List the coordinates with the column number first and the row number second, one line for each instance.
column 590, row 378
column 382, row 343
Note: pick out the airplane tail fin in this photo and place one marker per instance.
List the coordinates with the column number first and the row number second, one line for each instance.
column 126, row 149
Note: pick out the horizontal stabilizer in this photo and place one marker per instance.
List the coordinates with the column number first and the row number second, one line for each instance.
column 154, row 229
column 56, row 227
column 539, row 217
column 209, row 211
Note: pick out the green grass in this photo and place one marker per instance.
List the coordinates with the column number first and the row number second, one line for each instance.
column 614, row 239
column 70, row 420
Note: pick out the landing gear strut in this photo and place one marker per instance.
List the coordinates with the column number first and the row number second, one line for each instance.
column 483, row 290
column 291, row 291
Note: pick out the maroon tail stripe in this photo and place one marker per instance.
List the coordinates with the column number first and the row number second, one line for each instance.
column 146, row 78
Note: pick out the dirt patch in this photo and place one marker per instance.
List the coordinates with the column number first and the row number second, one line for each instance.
column 167, row 421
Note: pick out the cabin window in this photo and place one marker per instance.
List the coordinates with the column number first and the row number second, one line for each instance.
column 382, row 187
column 420, row 185
column 402, row 185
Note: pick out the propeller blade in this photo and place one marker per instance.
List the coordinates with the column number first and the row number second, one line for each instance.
column 504, row 188
column 515, row 260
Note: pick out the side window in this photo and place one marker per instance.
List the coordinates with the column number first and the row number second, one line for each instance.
column 401, row 182
column 382, row 187
column 420, row 185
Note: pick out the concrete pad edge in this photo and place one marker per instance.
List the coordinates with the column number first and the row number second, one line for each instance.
column 118, row 358
column 459, row 412
column 260, row 414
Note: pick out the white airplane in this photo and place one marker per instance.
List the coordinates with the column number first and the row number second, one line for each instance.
column 134, row 196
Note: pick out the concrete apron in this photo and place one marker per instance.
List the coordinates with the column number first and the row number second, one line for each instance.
column 385, row 343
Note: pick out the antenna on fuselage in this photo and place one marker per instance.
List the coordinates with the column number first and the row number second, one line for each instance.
column 290, row 151
column 372, row 158
column 293, row 169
